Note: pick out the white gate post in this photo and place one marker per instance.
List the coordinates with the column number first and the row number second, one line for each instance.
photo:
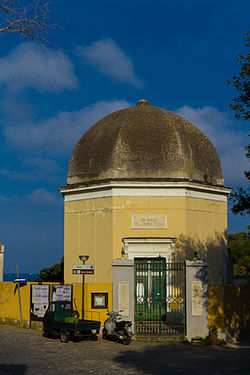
column 123, row 287
column 196, row 299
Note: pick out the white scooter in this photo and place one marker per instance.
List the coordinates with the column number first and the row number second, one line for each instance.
column 116, row 329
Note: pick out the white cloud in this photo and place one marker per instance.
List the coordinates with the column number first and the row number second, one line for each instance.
column 58, row 135
column 107, row 57
column 43, row 196
column 27, row 66
column 226, row 136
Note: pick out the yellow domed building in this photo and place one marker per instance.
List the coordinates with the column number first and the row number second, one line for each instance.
column 144, row 182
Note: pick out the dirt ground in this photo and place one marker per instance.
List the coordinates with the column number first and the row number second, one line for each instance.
column 27, row 352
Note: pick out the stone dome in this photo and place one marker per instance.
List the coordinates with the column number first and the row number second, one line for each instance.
column 144, row 143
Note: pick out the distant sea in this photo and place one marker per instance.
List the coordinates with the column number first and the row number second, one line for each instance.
column 12, row 276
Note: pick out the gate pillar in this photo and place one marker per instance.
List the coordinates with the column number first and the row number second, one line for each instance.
column 196, row 299
column 123, row 287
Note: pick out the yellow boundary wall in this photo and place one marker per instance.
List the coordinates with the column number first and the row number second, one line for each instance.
column 229, row 308
column 9, row 302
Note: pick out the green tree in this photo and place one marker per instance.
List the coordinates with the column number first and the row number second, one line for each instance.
column 241, row 201
column 241, row 104
column 239, row 244
column 53, row 273
column 241, row 108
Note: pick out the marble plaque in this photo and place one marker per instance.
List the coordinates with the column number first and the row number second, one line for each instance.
column 196, row 298
column 149, row 221
column 123, row 297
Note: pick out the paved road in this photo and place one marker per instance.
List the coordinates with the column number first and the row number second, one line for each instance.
column 27, row 352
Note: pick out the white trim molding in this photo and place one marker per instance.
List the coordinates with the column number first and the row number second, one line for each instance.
column 149, row 247
column 149, row 189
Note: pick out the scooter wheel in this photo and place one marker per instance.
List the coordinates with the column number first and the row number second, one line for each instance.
column 126, row 341
column 104, row 334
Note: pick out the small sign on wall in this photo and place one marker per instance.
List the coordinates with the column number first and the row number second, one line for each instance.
column 149, row 221
column 99, row 300
column 197, row 298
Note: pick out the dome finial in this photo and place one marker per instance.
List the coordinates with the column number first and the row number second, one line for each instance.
column 142, row 102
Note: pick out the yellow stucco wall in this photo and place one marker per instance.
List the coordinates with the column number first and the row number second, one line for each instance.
column 88, row 226
column 206, row 229
column 9, row 302
column 229, row 307
column 96, row 227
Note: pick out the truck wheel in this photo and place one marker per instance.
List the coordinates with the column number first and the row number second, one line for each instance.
column 94, row 338
column 64, row 337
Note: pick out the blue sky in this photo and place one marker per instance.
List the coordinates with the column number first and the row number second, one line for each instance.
column 176, row 54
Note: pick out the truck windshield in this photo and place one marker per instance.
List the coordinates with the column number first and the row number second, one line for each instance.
column 66, row 306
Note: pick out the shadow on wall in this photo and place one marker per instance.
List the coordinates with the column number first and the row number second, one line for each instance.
column 229, row 309
column 228, row 304
column 214, row 251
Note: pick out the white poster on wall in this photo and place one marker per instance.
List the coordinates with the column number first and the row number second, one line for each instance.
column 39, row 300
column 61, row 293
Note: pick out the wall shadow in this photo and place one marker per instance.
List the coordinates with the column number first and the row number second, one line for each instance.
column 214, row 251
column 229, row 310
column 228, row 304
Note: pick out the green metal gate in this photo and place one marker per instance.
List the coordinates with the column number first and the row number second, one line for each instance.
column 159, row 297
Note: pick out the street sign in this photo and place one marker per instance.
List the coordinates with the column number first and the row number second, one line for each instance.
column 20, row 281
column 83, row 267
column 83, row 272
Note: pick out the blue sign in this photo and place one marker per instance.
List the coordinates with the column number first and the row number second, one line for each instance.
column 20, row 281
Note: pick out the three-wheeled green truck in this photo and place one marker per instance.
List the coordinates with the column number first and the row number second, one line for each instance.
column 61, row 320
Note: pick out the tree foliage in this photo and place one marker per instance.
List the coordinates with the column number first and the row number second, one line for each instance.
column 241, row 108
column 239, row 244
column 53, row 273
column 28, row 18
column 241, row 104
column 241, row 202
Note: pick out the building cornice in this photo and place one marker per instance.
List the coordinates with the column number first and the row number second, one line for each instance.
column 145, row 189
